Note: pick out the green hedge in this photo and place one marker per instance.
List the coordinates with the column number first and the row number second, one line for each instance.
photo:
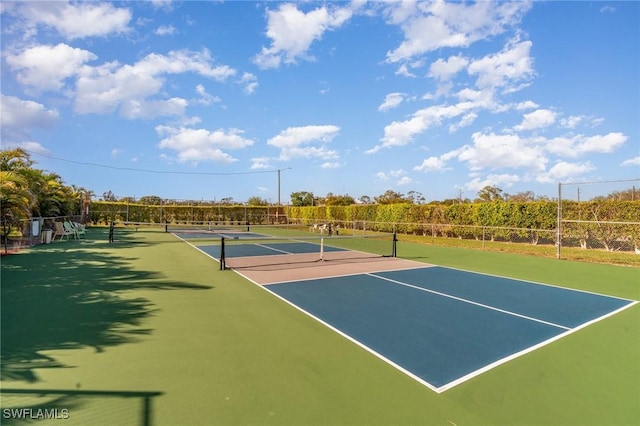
column 525, row 220
column 106, row 211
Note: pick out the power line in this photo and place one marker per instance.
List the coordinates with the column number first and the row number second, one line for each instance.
column 165, row 172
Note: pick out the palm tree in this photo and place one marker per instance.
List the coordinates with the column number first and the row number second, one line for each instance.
column 54, row 198
column 16, row 200
column 15, row 159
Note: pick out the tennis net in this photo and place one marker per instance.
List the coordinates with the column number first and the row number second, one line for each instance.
column 185, row 230
column 273, row 253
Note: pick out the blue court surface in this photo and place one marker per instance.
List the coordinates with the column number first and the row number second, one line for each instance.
column 265, row 248
column 217, row 234
column 444, row 326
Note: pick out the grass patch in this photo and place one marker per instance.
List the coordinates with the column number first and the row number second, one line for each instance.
column 567, row 253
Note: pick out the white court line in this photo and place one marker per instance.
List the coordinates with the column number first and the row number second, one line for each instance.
column 273, row 248
column 471, row 302
column 536, row 283
column 351, row 274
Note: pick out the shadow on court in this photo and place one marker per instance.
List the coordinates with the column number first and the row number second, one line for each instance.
column 65, row 296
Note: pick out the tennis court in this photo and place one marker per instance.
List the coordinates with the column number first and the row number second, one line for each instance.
column 441, row 326
column 91, row 325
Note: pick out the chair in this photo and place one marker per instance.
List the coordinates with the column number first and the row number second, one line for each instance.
column 70, row 229
column 79, row 228
column 60, row 231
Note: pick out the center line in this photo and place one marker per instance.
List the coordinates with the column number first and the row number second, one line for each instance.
column 471, row 302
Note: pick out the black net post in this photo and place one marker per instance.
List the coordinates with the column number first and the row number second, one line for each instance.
column 394, row 252
column 222, row 255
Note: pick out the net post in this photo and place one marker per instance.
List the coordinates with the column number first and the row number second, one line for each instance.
column 223, row 265
column 322, row 249
column 394, row 247
column 111, row 230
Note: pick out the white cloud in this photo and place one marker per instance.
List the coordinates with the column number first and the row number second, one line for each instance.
column 162, row 4
column 601, row 144
column 292, row 32
column 493, row 151
column 400, row 177
column 144, row 109
column 571, row 122
column 181, row 61
column 78, row 19
column 19, row 116
column 260, row 163
column 392, row 100
column 503, row 69
column 205, row 98
column 444, row 70
column 499, row 180
column 250, row 82
column 331, row 165
column 46, row 67
column 29, row 146
column 382, row 176
column 631, row 162
column 195, row 145
column 403, row 70
column 526, row 105
column 537, row 119
column 112, row 86
column 166, row 30
column 428, row 26
column 465, row 121
column 482, row 98
column 404, row 180
column 563, row 170
column 400, row 133
column 576, row 145
column 432, row 164
column 294, row 142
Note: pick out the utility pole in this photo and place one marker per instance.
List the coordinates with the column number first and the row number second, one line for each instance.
column 280, row 170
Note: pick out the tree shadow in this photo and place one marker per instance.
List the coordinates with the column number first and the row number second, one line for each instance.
column 52, row 298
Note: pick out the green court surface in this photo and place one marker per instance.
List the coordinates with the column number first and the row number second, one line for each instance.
column 148, row 330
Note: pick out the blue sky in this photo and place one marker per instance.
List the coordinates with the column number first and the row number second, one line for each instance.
column 208, row 100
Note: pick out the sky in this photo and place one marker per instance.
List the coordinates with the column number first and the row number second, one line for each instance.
column 206, row 100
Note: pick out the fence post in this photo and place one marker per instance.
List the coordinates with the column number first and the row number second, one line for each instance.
column 559, row 223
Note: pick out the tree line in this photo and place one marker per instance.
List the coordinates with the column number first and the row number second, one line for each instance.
column 486, row 194
column 29, row 192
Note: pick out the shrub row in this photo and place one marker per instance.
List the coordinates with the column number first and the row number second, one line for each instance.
column 517, row 219
column 107, row 211
column 531, row 215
